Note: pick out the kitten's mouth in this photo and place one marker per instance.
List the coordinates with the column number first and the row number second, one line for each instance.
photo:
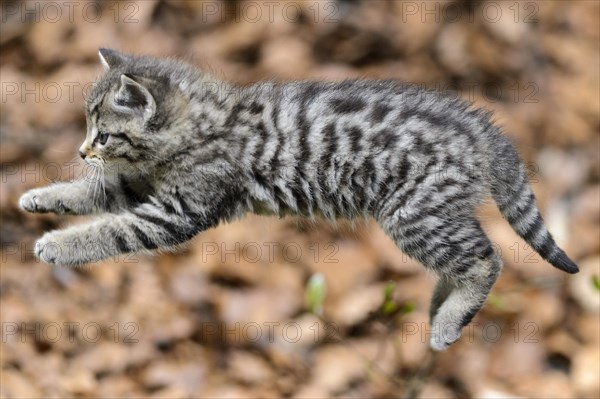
column 94, row 160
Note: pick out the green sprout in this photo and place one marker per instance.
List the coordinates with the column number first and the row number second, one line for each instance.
column 315, row 294
column 388, row 306
column 596, row 282
column 409, row 307
column 496, row 301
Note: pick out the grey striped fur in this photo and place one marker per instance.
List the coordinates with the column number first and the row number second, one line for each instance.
column 186, row 151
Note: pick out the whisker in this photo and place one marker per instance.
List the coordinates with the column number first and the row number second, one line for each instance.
column 103, row 183
column 89, row 184
column 97, row 185
column 92, row 183
column 95, row 178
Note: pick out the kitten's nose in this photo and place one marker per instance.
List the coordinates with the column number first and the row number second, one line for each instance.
column 82, row 154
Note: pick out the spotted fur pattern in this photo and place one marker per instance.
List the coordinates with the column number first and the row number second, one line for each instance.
column 179, row 151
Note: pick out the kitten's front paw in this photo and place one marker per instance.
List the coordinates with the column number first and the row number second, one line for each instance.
column 54, row 248
column 29, row 202
column 46, row 250
column 37, row 201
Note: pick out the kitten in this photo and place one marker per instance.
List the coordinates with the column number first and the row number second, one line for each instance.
column 180, row 151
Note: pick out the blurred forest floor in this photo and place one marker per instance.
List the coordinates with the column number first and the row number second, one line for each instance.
column 225, row 317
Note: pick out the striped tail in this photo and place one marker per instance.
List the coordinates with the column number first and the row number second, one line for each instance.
column 512, row 192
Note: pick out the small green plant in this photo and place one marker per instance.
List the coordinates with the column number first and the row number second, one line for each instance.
column 596, row 282
column 408, row 307
column 388, row 306
column 496, row 301
column 315, row 294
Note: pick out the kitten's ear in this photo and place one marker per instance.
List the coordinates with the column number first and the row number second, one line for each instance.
column 110, row 58
column 133, row 96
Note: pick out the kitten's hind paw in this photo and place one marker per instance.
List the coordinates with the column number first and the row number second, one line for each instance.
column 444, row 335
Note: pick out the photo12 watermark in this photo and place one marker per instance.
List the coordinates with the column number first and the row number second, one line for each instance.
column 70, row 11
column 269, row 252
column 75, row 92
column 46, row 92
column 69, row 331
column 268, row 11
column 251, row 252
column 25, row 252
column 224, row 252
column 526, row 332
column 37, row 172
column 328, row 332
column 268, row 332
column 490, row 12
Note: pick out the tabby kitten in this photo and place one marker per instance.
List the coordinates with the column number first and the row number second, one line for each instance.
column 180, row 151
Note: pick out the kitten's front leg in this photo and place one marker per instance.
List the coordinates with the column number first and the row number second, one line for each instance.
column 147, row 227
column 80, row 197
column 75, row 245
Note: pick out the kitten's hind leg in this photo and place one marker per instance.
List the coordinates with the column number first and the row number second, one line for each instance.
column 456, row 249
column 461, row 292
column 441, row 292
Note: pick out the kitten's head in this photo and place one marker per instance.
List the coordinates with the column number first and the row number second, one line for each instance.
column 132, row 110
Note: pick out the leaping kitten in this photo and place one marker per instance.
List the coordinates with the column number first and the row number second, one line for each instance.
column 181, row 151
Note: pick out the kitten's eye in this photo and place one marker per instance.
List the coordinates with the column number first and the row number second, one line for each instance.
column 102, row 138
